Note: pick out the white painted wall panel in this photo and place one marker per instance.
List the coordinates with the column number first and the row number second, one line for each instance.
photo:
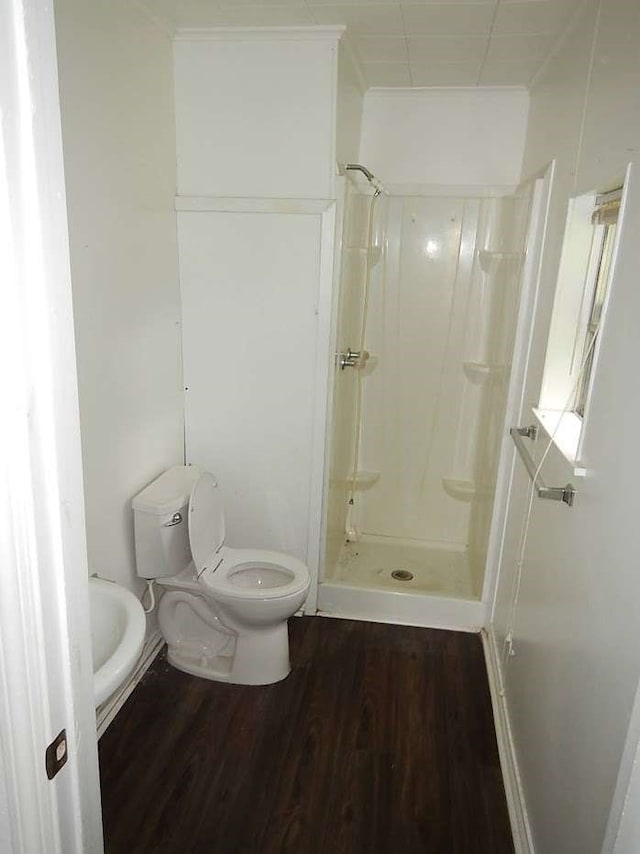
column 6, row 841
column 349, row 105
column 571, row 684
column 256, row 118
column 249, row 285
column 119, row 147
column 628, row 833
column 471, row 137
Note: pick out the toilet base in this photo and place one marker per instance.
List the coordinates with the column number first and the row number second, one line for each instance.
column 260, row 658
column 218, row 668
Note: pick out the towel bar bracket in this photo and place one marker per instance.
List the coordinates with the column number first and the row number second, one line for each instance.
column 565, row 493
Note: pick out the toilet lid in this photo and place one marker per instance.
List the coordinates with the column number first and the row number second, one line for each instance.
column 206, row 522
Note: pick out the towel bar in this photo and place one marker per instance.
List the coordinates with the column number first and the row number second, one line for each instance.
column 552, row 493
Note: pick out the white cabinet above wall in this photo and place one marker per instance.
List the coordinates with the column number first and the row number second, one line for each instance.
column 255, row 112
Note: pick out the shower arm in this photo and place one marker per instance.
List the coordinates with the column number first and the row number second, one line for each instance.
column 356, row 167
column 368, row 174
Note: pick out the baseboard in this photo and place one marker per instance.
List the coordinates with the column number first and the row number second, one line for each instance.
column 522, row 839
column 403, row 609
column 106, row 712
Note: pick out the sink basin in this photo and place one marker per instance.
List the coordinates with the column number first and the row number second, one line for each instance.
column 118, row 627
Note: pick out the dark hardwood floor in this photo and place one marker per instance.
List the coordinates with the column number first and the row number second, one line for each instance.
column 381, row 740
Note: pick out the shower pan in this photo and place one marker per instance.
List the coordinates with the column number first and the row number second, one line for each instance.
column 429, row 292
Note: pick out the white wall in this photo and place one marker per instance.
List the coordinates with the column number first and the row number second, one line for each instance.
column 256, row 114
column 119, row 146
column 571, row 684
column 6, row 842
column 250, row 325
column 350, row 101
column 628, row 831
column 471, row 137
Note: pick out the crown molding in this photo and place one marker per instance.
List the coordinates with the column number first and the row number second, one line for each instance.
column 333, row 33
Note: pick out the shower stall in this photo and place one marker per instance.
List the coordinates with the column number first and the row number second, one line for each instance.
column 429, row 292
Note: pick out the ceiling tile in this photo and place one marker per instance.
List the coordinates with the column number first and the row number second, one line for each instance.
column 381, row 49
column 386, row 73
column 530, row 48
column 447, row 49
column 372, row 20
column 445, row 74
column 508, row 73
column 448, row 19
column 535, row 16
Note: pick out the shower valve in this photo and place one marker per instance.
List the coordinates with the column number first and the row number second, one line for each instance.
column 352, row 358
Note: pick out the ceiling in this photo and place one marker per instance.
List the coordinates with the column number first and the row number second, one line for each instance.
column 400, row 44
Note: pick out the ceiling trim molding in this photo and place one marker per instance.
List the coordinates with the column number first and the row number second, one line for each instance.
column 311, row 33
column 418, row 92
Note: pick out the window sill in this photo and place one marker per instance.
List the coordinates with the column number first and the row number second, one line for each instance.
column 564, row 430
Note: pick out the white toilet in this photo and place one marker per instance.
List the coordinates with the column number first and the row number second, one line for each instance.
column 224, row 613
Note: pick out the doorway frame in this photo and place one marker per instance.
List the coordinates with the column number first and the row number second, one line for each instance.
column 46, row 672
column 542, row 182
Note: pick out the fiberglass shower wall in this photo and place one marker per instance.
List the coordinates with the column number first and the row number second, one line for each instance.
column 356, row 258
column 443, row 297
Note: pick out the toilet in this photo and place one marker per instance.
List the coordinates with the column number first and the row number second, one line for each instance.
column 224, row 611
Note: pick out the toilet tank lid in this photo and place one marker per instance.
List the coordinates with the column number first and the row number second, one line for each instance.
column 169, row 492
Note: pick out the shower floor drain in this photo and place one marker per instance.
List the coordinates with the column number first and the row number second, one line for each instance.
column 402, row 575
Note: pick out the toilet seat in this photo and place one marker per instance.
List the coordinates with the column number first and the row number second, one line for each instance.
column 219, row 579
column 216, row 564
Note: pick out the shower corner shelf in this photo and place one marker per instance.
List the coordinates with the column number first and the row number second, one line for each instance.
column 480, row 372
column 363, row 480
column 462, row 490
column 491, row 262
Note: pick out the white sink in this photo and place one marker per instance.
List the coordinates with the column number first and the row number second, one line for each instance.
column 118, row 627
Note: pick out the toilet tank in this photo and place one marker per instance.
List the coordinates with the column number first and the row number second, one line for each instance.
column 161, row 540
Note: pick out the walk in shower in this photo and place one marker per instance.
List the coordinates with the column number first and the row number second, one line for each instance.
column 428, row 299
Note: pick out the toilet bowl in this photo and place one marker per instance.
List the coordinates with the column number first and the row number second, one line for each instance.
column 224, row 611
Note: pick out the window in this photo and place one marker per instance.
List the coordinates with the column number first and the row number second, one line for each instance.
column 604, row 220
column 586, row 266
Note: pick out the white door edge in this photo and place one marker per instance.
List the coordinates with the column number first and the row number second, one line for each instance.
column 45, row 654
column 525, row 323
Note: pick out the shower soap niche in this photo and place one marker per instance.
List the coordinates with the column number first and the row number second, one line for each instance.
column 480, row 372
column 462, row 490
column 493, row 262
column 363, row 480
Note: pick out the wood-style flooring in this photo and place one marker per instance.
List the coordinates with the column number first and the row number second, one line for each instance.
column 381, row 740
